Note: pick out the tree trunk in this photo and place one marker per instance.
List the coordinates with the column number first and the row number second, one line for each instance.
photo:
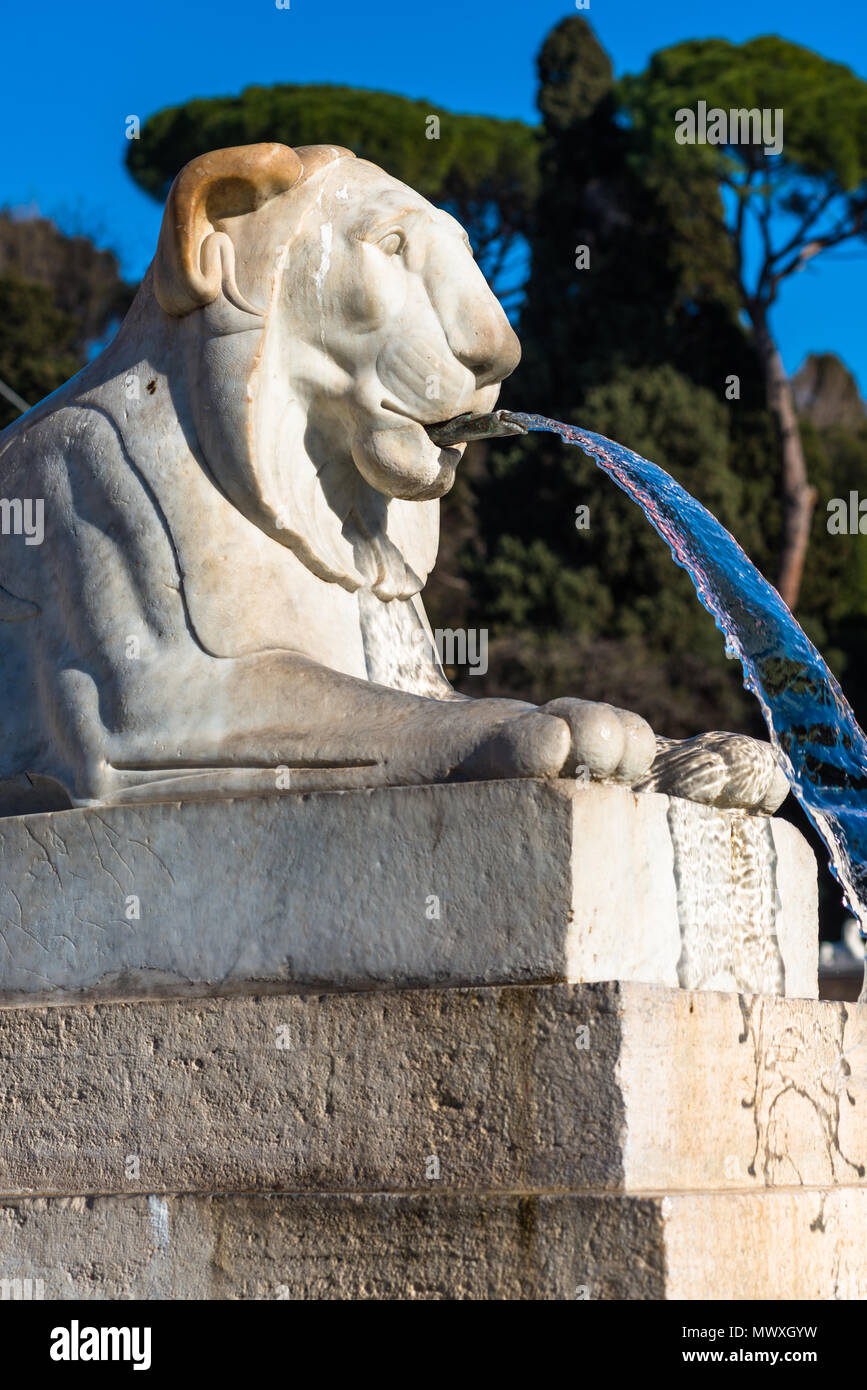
column 798, row 497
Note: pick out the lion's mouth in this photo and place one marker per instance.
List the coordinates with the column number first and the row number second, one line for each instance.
column 415, row 459
column 392, row 408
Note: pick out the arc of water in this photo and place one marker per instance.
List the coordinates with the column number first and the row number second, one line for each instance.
column 819, row 743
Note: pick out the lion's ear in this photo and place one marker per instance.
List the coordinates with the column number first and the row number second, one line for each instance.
column 192, row 257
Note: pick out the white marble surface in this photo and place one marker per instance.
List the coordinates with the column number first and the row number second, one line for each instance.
column 508, row 881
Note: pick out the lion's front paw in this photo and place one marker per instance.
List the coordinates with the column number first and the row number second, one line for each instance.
column 730, row 771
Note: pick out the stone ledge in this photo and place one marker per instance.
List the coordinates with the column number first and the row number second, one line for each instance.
column 479, row 883
column 616, row 1087
column 804, row 1244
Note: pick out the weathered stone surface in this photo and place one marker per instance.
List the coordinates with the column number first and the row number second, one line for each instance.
column 594, row 1087
column 725, row 1091
column 334, row 1246
column 793, row 1244
column 479, row 883
column 805, row 1244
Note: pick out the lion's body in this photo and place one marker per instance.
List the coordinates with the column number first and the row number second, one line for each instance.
column 199, row 537
column 146, row 579
column 241, row 509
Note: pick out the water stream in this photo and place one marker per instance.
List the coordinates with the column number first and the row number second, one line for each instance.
column 817, row 738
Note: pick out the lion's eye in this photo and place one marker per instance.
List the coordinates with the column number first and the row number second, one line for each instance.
column 392, row 242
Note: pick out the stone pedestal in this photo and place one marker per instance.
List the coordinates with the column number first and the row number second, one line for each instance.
column 549, row 1141
column 403, row 1076
column 482, row 883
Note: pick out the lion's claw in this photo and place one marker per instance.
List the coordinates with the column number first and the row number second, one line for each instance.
column 606, row 742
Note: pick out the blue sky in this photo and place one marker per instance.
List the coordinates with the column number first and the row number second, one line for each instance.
column 82, row 69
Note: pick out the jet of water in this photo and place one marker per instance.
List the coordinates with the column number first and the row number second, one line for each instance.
column 818, row 741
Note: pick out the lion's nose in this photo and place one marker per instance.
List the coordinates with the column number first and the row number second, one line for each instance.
column 488, row 346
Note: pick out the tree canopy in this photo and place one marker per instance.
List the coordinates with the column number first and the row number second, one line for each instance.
column 85, row 281
column 59, row 296
column 37, row 343
column 638, row 345
column 783, row 203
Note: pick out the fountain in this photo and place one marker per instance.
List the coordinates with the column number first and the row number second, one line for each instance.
column 355, row 987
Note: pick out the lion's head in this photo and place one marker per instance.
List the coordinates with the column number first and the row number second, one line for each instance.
column 329, row 313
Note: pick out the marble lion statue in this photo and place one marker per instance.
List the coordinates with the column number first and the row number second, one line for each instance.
column 216, row 535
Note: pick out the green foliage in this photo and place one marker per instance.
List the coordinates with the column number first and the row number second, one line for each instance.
column 37, row 343
column 826, row 393
column 58, row 296
column 835, row 580
column 615, row 582
column 85, row 282
column 482, row 169
column 638, row 348
column 575, row 75
column 825, row 105
column 810, row 196
column 653, row 292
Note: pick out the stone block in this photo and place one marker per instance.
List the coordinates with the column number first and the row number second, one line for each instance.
column 805, row 1244
column 603, row 1087
column 480, row 883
